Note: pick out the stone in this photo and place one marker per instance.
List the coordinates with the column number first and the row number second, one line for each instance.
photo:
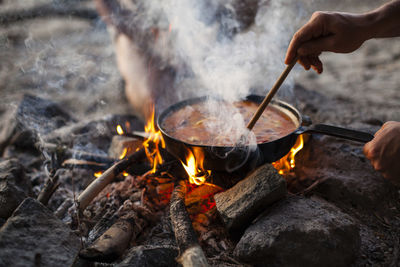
column 31, row 117
column 33, row 236
column 301, row 232
column 93, row 136
column 10, row 197
column 151, row 256
column 14, row 186
column 349, row 179
column 239, row 205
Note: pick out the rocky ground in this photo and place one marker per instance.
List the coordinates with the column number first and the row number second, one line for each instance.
column 70, row 60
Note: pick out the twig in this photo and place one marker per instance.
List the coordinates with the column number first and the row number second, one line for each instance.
column 62, row 209
column 191, row 253
column 84, row 164
column 313, row 186
column 48, row 189
column 97, row 185
column 47, row 10
column 65, row 152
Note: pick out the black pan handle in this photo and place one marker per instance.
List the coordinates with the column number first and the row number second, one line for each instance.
column 338, row 132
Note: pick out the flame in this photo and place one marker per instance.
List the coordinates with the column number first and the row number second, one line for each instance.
column 120, row 131
column 125, row 174
column 98, row 174
column 286, row 164
column 152, row 143
column 123, row 154
column 194, row 167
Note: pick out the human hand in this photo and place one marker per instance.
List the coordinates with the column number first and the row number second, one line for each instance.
column 384, row 151
column 327, row 31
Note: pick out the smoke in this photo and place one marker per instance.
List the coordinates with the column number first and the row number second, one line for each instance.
column 221, row 63
column 215, row 55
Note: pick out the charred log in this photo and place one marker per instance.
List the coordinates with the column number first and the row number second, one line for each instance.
column 191, row 253
column 111, row 244
column 46, row 11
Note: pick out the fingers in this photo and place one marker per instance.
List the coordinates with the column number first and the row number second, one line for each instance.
column 311, row 62
column 317, row 46
column 316, row 64
column 303, row 35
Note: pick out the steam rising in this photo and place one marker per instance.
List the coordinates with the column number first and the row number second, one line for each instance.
column 220, row 63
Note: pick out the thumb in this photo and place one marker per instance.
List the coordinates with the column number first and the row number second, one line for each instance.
column 316, row 46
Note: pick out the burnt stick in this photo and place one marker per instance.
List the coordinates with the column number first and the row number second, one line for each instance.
column 190, row 251
column 48, row 189
column 98, row 184
column 46, row 10
column 68, row 153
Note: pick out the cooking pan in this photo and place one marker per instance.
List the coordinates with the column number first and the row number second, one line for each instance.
column 230, row 159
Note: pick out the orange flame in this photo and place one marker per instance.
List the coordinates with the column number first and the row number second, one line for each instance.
column 120, row 131
column 152, row 143
column 98, row 174
column 286, row 164
column 123, row 154
column 194, row 167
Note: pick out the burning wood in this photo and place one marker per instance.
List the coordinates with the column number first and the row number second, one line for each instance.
column 241, row 203
column 97, row 185
column 191, row 253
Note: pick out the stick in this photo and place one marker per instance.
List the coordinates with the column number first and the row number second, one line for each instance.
column 46, row 10
column 65, row 152
column 48, row 189
column 270, row 95
column 110, row 245
column 191, row 253
column 97, row 185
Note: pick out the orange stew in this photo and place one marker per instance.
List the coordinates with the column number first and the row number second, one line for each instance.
column 195, row 124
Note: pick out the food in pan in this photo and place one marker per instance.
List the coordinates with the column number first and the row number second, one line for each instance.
column 210, row 124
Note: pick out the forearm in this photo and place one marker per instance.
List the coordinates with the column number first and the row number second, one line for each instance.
column 384, row 21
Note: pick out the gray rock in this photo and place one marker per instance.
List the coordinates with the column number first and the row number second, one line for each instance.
column 349, row 180
column 14, row 187
column 151, row 256
column 10, row 197
column 239, row 205
column 300, row 232
column 33, row 236
column 95, row 135
column 32, row 117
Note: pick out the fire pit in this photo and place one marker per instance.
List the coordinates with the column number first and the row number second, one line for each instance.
column 79, row 189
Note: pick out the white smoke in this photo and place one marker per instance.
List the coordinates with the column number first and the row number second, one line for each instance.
column 227, row 67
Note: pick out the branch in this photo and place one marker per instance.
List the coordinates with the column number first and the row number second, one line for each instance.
column 98, row 184
column 46, row 10
column 191, row 253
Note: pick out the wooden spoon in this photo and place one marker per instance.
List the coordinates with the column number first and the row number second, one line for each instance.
column 271, row 94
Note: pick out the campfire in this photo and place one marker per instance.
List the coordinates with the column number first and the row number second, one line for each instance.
column 182, row 184
column 82, row 186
